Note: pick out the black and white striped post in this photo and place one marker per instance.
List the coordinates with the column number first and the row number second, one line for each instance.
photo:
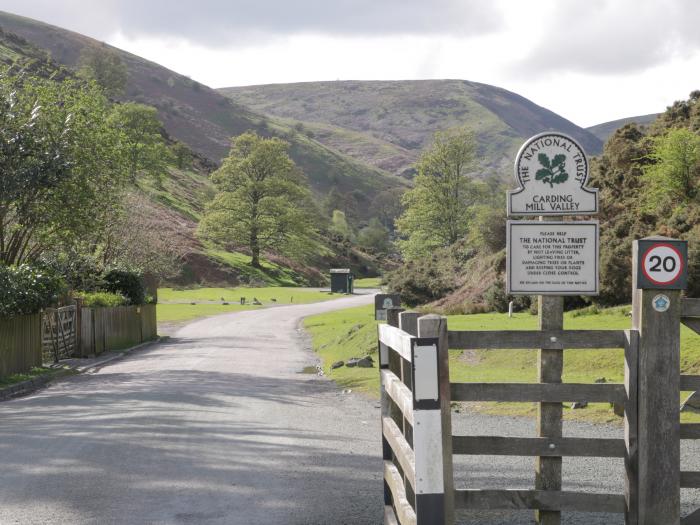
column 432, row 430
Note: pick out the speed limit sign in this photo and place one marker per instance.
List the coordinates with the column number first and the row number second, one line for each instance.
column 662, row 264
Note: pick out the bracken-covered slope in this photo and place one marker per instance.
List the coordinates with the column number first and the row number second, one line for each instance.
column 203, row 118
column 387, row 123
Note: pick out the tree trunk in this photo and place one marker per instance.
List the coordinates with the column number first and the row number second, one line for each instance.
column 255, row 250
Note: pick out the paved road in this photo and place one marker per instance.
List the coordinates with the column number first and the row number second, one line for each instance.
column 217, row 426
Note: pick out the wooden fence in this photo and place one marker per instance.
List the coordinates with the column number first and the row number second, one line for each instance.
column 72, row 331
column 59, row 333
column 416, row 424
column 690, row 316
column 20, row 344
column 106, row 329
column 418, row 444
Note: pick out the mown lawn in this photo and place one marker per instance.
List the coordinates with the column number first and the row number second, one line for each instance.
column 169, row 312
column 368, row 282
column 352, row 333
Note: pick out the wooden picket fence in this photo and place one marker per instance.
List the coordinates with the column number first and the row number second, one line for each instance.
column 106, row 329
column 20, row 344
column 28, row 341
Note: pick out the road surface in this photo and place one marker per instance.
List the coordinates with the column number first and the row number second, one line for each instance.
column 217, row 426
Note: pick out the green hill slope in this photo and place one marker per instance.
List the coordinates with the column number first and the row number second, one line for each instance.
column 387, row 123
column 604, row 130
column 203, row 118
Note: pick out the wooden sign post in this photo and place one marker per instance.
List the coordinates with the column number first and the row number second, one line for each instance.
column 551, row 259
column 659, row 274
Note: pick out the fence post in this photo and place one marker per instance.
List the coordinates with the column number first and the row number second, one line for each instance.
column 658, row 399
column 79, row 326
column 432, row 434
column 549, row 415
column 392, row 317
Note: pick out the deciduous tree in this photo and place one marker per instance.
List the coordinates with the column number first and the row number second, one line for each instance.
column 673, row 176
column 437, row 209
column 263, row 201
column 141, row 139
column 104, row 66
column 59, row 162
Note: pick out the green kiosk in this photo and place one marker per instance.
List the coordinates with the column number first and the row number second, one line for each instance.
column 342, row 280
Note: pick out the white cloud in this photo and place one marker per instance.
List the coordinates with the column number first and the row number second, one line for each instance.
column 588, row 60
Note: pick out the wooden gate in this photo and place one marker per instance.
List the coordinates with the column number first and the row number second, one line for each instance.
column 690, row 316
column 549, row 446
column 403, row 421
column 417, row 435
column 58, row 329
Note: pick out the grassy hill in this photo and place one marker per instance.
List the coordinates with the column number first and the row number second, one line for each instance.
column 387, row 123
column 203, row 118
column 604, row 130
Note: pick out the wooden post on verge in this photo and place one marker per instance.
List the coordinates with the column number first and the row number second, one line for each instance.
column 435, row 443
column 385, row 402
column 78, row 322
column 658, row 399
column 549, row 415
column 386, row 360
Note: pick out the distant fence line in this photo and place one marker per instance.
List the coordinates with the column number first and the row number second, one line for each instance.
column 92, row 332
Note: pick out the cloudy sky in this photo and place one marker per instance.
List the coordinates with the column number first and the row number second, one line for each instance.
column 589, row 60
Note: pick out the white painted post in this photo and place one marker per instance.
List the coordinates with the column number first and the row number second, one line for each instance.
column 432, row 431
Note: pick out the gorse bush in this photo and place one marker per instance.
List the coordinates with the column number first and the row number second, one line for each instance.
column 423, row 280
column 128, row 284
column 25, row 290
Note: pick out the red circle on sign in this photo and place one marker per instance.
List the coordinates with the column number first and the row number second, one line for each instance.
column 680, row 263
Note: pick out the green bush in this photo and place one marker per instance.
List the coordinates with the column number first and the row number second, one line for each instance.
column 102, row 299
column 128, row 284
column 25, row 290
column 497, row 300
column 423, row 280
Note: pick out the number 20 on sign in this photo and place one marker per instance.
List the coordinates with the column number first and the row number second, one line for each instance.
column 663, row 264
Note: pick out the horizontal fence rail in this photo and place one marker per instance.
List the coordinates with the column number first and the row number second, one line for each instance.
column 397, row 340
column 690, row 383
column 539, row 392
column 530, row 339
column 690, row 431
column 538, row 500
column 538, row 446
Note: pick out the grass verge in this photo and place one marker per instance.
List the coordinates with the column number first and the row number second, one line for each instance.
column 368, row 282
column 32, row 374
column 352, row 333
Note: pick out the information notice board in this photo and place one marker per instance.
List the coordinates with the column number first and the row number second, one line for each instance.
column 552, row 258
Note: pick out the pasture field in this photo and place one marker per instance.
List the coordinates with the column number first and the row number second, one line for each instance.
column 349, row 333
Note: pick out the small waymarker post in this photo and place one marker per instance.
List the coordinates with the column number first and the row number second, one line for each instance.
column 384, row 301
column 659, row 275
